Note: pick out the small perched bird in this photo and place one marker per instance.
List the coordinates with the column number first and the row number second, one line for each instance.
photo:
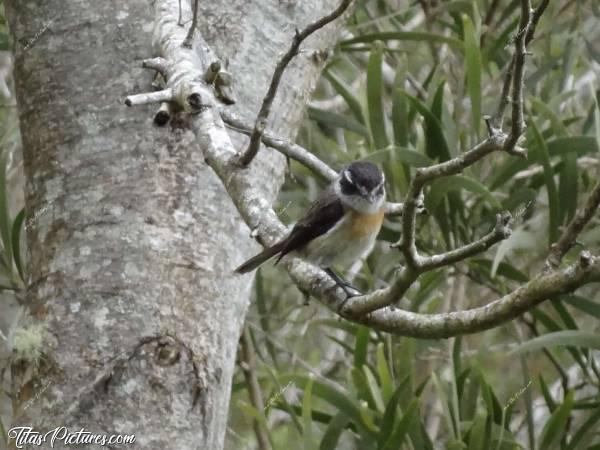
column 339, row 227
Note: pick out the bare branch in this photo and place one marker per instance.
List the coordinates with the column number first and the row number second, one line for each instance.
column 569, row 236
column 265, row 108
column 432, row 326
column 187, row 42
column 426, row 174
column 299, row 154
column 508, row 77
column 287, row 148
column 518, row 124
column 166, row 95
column 487, row 21
column 500, row 232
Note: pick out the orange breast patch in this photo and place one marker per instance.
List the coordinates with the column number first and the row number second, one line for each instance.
column 365, row 224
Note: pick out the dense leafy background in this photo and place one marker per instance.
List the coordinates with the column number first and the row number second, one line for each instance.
column 407, row 85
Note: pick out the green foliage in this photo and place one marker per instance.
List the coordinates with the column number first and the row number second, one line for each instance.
column 407, row 93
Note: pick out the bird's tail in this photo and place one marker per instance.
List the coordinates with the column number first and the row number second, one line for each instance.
column 262, row 257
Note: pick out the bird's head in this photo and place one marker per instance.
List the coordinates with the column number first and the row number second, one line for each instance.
column 360, row 186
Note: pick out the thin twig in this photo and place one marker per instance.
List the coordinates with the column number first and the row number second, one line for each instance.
column 518, row 124
column 500, row 232
column 287, row 148
column 426, row 174
column 265, row 109
column 569, row 236
column 506, row 85
column 301, row 155
column 248, row 366
column 189, row 39
column 489, row 17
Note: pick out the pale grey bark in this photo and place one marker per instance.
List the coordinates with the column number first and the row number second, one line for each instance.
column 134, row 239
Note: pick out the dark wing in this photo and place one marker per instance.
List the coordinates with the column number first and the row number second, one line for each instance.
column 320, row 217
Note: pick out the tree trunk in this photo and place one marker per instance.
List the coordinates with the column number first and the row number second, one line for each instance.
column 132, row 239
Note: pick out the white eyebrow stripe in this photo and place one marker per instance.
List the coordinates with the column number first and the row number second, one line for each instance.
column 348, row 176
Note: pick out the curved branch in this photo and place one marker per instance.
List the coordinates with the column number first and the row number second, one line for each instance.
column 301, row 155
column 432, row 326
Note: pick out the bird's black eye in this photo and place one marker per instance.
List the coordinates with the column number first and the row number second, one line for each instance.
column 348, row 188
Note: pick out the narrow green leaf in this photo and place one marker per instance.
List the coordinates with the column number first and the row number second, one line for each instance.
column 361, row 386
column 596, row 118
column 375, row 97
column 337, row 121
column 333, row 432
column 556, row 425
column 583, row 304
column 567, row 319
column 584, row 429
column 403, row 427
column 374, row 389
column 252, row 412
column 473, row 67
column 400, row 125
column 5, row 222
column 403, row 36
column 558, row 127
column 480, row 437
column 389, row 416
column 436, row 145
column 581, row 145
column 400, row 111
column 503, row 269
column 16, row 241
column 544, row 160
column 568, row 187
column 345, row 91
column 412, row 157
column 456, row 182
column 492, row 404
column 361, row 346
column 383, row 371
column 340, row 400
column 575, row 338
column 307, row 414
column 550, row 403
column 442, row 395
column 437, row 102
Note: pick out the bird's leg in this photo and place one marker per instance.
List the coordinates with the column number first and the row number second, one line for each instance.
column 342, row 283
